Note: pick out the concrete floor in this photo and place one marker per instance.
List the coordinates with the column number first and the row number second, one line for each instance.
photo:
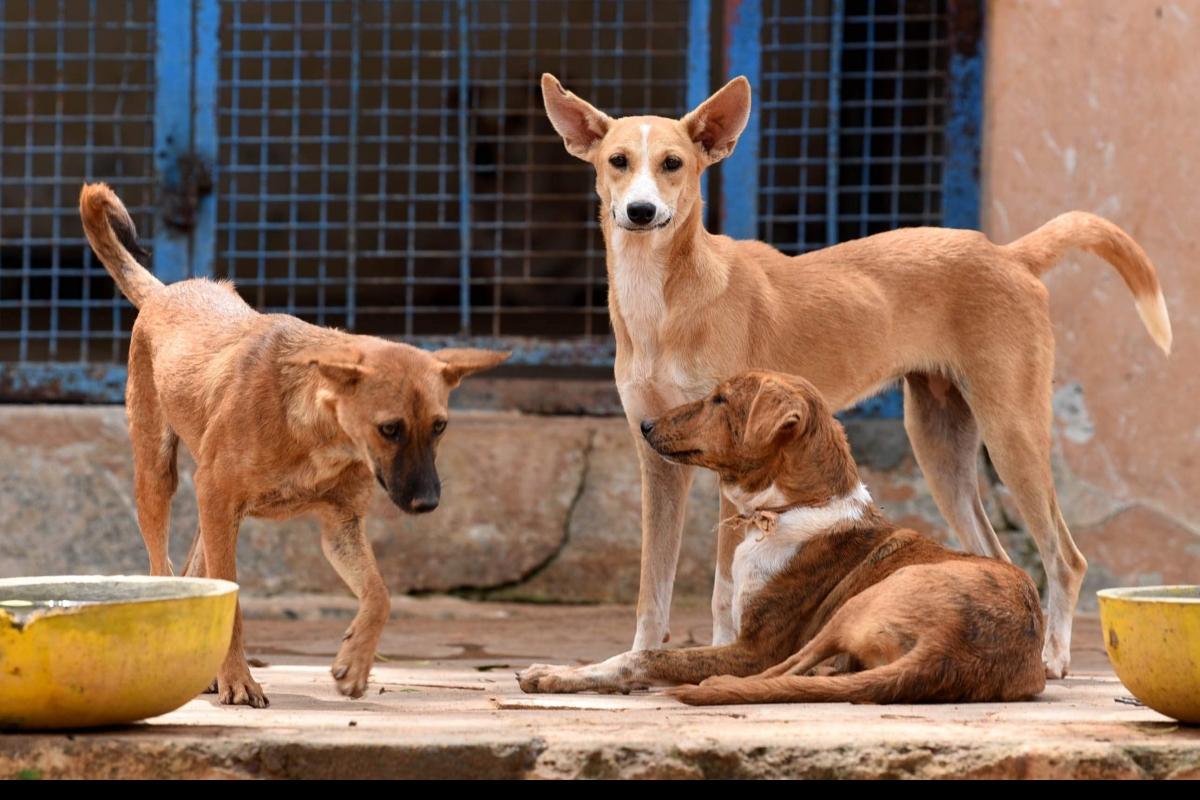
column 445, row 704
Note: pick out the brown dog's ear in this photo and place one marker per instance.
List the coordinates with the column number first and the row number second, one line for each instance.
column 581, row 126
column 716, row 124
column 775, row 410
column 459, row 363
column 341, row 365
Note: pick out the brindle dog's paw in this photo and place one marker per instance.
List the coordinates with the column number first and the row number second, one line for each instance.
column 242, row 691
column 212, row 688
column 720, row 680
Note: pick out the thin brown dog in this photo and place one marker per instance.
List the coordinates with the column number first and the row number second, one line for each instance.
column 963, row 322
column 282, row 418
column 832, row 603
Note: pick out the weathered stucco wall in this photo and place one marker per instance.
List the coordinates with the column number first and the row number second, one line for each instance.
column 1092, row 104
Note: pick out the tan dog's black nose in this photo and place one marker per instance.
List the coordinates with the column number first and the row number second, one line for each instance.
column 647, row 427
column 641, row 213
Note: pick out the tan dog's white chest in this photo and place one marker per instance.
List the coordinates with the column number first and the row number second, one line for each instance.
column 639, row 273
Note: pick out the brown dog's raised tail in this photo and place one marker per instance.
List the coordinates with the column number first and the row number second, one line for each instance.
column 1045, row 247
column 113, row 237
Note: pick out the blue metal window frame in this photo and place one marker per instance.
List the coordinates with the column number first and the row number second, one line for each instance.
column 960, row 176
column 187, row 65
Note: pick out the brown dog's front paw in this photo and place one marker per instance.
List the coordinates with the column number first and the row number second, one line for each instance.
column 352, row 669
column 242, row 691
column 352, row 678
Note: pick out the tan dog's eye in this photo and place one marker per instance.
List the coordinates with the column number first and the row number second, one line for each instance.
column 392, row 430
column 672, row 163
column 439, row 427
column 618, row 161
column 718, row 400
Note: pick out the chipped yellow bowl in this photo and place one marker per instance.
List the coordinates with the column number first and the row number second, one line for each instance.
column 1152, row 635
column 81, row 652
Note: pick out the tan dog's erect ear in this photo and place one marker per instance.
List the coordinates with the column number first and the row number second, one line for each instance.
column 459, row 363
column 716, row 124
column 775, row 409
column 339, row 364
column 581, row 126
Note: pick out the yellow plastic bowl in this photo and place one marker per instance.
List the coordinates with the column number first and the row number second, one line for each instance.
column 1152, row 635
column 80, row 652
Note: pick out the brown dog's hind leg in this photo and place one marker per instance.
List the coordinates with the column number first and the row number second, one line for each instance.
column 155, row 468
column 344, row 542
column 945, row 441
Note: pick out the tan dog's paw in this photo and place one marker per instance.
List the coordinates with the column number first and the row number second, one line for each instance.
column 242, row 690
column 549, row 679
column 1056, row 666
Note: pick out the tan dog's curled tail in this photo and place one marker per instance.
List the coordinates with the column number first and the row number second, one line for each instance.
column 1045, row 247
column 113, row 237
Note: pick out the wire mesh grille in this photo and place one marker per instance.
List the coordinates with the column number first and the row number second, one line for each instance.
column 854, row 111
column 76, row 102
column 388, row 166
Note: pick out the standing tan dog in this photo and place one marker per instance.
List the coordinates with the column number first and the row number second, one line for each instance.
column 963, row 322
column 878, row 614
column 282, row 418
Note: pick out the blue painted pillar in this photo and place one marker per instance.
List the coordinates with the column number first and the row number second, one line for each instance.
column 739, row 173
column 699, row 58
column 187, row 50
column 964, row 115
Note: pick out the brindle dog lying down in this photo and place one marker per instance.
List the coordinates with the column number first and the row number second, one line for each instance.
column 832, row 602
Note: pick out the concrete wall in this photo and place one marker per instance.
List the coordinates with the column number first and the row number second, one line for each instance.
column 1092, row 104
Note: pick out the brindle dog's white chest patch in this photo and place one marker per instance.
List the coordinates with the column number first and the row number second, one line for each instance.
column 760, row 556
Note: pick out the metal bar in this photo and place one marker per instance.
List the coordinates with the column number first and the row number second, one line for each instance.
column 699, row 72
column 172, row 128
column 832, row 173
column 205, row 73
column 739, row 173
column 464, row 169
column 352, row 166
column 964, row 115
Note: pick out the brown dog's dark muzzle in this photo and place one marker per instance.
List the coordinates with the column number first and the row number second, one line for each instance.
column 414, row 485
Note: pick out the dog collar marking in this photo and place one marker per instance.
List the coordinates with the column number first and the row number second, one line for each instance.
column 767, row 519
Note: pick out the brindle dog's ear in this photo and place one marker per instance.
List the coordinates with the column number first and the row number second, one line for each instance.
column 716, row 124
column 341, row 365
column 459, row 363
column 777, row 409
column 581, row 126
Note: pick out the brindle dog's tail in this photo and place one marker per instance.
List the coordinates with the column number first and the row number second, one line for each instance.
column 901, row 681
column 113, row 236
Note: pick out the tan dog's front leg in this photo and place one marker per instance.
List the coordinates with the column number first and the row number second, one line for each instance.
column 344, row 541
column 729, row 536
column 642, row 669
column 664, row 497
column 219, row 524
